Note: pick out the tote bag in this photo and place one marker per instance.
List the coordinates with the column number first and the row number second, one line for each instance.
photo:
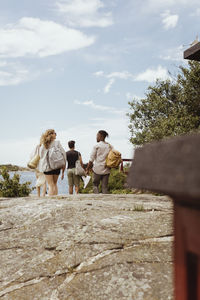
column 33, row 163
column 78, row 168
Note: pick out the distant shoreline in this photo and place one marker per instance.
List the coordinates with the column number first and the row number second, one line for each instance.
column 14, row 168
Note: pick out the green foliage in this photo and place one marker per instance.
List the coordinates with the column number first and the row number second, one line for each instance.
column 116, row 184
column 139, row 208
column 170, row 108
column 11, row 187
column 117, row 180
column 14, row 168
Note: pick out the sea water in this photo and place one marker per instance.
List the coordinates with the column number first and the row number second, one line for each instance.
column 30, row 176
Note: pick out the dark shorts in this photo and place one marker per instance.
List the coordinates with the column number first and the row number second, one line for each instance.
column 53, row 172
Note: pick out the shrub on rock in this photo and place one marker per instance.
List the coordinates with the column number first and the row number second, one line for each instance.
column 11, row 187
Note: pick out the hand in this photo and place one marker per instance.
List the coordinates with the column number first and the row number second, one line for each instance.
column 62, row 176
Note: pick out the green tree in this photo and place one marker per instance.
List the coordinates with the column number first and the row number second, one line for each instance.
column 170, row 108
column 11, row 187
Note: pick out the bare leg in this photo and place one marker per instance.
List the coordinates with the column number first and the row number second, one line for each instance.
column 71, row 190
column 37, row 187
column 50, row 181
column 38, row 190
column 55, row 179
column 44, row 188
column 76, row 189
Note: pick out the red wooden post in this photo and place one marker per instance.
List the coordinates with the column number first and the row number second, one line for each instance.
column 187, row 252
column 173, row 167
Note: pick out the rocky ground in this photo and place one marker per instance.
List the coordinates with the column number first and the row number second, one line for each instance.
column 86, row 247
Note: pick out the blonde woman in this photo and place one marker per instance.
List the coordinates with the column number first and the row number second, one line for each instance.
column 48, row 141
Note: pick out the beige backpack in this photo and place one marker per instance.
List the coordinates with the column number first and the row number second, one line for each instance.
column 113, row 159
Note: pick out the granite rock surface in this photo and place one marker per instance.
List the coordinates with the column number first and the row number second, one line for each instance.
column 86, row 247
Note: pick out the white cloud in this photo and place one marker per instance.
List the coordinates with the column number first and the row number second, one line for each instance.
column 3, row 64
column 94, row 58
column 158, row 4
column 130, row 96
column 174, row 54
column 85, row 13
column 166, row 2
column 121, row 75
column 155, row 7
column 91, row 104
column 112, row 77
column 196, row 13
column 108, row 85
column 150, row 75
column 14, row 73
column 99, row 73
column 8, row 78
column 34, row 37
column 169, row 21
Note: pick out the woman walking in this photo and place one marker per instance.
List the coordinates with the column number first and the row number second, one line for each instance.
column 47, row 153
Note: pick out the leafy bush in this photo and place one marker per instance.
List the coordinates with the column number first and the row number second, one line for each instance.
column 139, row 207
column 169, row 108
column 116, row 184
column 11, row 187
column 117, row 180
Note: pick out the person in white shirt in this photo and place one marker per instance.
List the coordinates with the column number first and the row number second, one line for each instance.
column 98, row 160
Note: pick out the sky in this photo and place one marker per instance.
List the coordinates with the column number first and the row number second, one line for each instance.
column 73, row 65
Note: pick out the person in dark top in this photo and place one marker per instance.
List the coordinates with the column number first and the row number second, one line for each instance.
column 72, row 156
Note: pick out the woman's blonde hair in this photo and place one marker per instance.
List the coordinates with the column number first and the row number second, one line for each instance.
column 47, row 138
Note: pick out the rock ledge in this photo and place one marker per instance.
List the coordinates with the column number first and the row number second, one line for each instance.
column 86, row 247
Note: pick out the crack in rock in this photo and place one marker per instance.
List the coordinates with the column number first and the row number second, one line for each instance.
column 11, row 248
column 19, row 286
column 160, row 239
column 5, row 229
column 87, row 263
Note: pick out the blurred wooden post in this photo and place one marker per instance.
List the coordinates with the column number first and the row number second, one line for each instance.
column 172, row 167
column 193, row 53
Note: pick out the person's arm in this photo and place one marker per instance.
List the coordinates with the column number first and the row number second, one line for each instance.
column 92, row 159
column 89, row 167
column 64, row 155
column 81, row 161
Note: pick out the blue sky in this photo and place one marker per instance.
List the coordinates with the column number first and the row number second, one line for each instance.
column 73, row 65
